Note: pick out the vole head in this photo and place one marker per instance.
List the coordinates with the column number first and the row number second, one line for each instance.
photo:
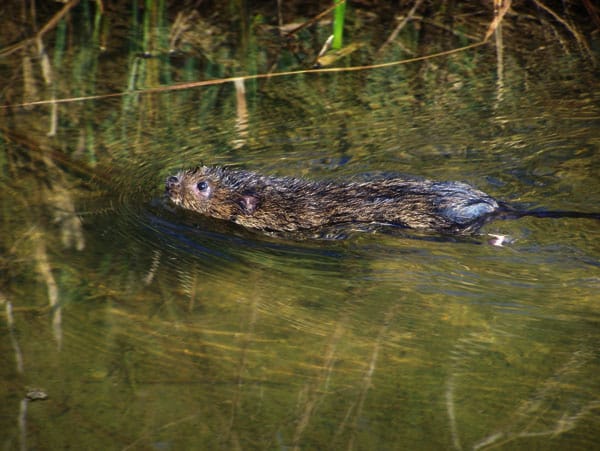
column 211, row 192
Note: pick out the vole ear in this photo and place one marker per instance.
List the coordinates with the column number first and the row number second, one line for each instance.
column 248, row 203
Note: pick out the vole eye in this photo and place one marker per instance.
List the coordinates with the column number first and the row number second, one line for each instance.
column 202, row 186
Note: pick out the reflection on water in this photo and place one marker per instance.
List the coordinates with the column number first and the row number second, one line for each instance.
column 130, row 325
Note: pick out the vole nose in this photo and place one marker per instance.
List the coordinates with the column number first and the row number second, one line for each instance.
column 172, row 182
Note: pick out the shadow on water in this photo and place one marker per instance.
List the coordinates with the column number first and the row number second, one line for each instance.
column 127, row 324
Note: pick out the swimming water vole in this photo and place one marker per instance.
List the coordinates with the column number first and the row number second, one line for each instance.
column 292, row 204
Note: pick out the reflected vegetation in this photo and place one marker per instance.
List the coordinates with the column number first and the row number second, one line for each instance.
column 127, row 324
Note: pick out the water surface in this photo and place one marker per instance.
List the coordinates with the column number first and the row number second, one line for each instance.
column 149, row 329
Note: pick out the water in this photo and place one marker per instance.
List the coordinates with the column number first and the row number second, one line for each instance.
column 150, row 329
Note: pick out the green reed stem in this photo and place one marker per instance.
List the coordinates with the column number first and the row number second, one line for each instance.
column 338, row 24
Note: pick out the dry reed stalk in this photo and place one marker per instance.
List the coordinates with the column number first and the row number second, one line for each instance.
column 392, row 37
column 220, row 81
column 13, row 339
column 313, row 20
column 45, row 271
column 241, row 121
column 578, row 37
column 30, row 90
column 53, row 22
column 501, row 7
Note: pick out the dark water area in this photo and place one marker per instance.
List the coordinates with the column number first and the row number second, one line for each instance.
column 128, row 324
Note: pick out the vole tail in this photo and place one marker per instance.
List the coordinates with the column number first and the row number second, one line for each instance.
column 511, row 212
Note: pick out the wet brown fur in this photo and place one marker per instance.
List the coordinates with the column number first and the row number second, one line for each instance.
column 291, row 204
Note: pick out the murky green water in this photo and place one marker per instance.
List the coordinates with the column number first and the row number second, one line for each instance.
column 147, row 329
